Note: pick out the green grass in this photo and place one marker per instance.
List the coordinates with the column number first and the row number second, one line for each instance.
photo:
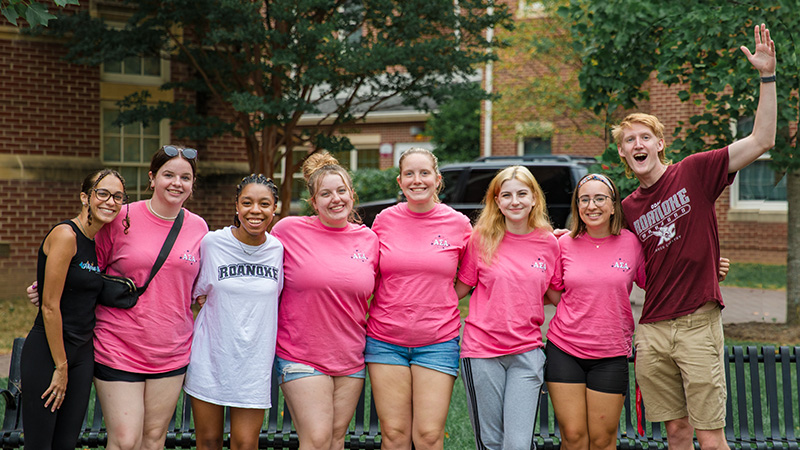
column 756, row 276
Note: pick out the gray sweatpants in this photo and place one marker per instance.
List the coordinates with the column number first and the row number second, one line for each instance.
column 502, row 397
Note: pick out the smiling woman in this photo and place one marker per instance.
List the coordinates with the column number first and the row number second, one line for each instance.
column 511, row 251
column 330, row 270
column 58, row 356
column 233, row 346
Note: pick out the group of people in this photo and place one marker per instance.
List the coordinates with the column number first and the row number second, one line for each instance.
column 330, row 300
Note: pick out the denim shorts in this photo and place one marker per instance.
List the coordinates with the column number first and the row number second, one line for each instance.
column 290, row 371
column 441, row 357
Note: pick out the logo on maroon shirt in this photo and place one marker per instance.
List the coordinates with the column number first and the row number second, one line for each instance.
column 660, row 220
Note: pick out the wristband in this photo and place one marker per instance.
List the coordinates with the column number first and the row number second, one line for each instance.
column 770, row 79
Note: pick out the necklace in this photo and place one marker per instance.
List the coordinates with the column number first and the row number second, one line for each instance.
column 241, row 245
column 150, row 208
column 80, row 225
column 597, row 242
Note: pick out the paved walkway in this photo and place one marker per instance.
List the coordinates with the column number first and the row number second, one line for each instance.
column 741, row 305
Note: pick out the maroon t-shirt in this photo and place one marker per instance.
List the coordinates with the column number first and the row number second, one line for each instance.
column 676, row 222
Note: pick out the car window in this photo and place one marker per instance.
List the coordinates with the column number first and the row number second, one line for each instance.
column 556, row 182
column 450, row 180
column 479, row 180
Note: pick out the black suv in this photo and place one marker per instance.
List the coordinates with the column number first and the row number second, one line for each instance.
column 465, row 184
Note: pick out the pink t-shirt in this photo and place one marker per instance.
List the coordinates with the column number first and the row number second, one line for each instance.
column 506, row 309
column 155, row 335
column 594, row 319
column 329, row 275
column 675, row 219
column 415, row 303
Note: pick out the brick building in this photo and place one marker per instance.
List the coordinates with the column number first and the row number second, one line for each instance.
column 751, row 212
column 56, row 126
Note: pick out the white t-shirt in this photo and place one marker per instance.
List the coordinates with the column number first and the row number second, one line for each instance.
column 233, row 346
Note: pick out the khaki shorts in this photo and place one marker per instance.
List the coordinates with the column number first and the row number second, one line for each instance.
column 680, row 369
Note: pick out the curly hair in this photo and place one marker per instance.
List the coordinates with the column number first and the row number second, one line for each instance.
column 254, row 179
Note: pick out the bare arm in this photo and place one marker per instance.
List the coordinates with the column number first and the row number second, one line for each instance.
column 462, row 289
column 744, row 151
column 59, row 247
column 552, row 297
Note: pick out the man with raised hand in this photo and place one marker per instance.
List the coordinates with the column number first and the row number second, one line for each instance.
column 679, row 342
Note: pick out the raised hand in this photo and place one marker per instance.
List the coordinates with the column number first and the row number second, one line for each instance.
column 764, row 57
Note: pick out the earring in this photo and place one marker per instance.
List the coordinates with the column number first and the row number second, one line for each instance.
column 236, row 221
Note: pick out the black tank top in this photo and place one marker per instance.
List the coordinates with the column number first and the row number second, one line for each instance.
column 81, row 288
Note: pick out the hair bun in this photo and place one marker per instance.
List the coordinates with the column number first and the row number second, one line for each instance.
column 316, row 161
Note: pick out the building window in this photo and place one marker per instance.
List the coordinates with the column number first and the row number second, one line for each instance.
column 128, row 149
column 536, row 146
column 138, row 70
column 527, row 9
column 757, row 186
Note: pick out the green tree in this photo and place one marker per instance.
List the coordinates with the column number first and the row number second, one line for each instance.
column 262, row 65
column 35, row 13
column 695, row 47
column 455, row 129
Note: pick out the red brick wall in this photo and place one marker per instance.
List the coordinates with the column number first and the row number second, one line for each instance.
column 47, row 106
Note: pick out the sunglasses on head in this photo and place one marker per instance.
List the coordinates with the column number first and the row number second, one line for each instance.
column 188, row 153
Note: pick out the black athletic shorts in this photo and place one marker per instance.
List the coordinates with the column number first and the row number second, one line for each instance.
column 106, row 373
column 608, row 375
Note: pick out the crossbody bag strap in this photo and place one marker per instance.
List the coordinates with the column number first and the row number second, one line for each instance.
column 165, row 249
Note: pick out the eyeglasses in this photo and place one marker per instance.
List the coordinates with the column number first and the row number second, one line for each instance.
column 104, row 194
column 188, row 153
column 599, row 200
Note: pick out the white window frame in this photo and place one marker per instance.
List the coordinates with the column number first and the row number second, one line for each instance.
column 761, row 205
column 163, row 139
column 140, row 80
column 753, row 205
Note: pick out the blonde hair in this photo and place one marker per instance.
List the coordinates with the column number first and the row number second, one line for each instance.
column 491, row 226
column 648, row 120
column 617, row 220
column 434, row 161
column 319, row 164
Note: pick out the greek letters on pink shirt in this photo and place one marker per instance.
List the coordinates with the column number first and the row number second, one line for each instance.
column 415, row 303
column 506, row 309
column 594, row 319
column 155, row 335
column 329, row 274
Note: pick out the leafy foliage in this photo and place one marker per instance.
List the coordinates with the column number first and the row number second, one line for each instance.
column 35, row 13
column 456, row 129
column 623, row 43
column 374, row 184
column 257, row 67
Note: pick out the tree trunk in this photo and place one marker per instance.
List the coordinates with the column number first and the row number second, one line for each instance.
column 793, row 248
